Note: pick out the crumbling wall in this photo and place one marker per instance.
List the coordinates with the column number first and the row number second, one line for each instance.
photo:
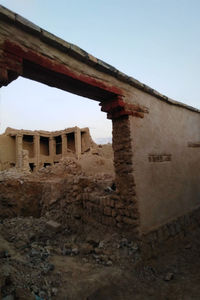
column 156, row 154
column 20, row 197
column 127, row 207
column 43, row 147
column 28, row 145
column 7, row 152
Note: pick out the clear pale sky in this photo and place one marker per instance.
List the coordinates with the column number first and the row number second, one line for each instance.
column 154, row 41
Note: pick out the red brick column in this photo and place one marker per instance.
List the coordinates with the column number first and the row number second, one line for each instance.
column 126, row 207
column 10, row 66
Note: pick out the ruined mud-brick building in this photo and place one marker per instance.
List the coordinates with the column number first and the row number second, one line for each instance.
column 156, row 140
column 27, row 149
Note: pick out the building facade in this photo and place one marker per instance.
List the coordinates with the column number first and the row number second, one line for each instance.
column 19, row 148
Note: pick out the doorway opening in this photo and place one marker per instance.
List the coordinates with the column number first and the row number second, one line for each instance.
column 58, row 140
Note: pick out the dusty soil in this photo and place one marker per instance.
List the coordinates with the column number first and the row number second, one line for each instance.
column 40, row 261
column 99, row 160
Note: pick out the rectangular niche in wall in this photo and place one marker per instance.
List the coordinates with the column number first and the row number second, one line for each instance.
column 84, row 141
column 28, row 144
column 58, row 140
column 71, row 141
column 44, row 145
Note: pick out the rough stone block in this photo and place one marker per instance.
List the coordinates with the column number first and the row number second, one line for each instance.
column 127, row 213
column 108, row 221
column 115, row 197
column 114, row 213
column 107, row 211
column 53, row 226
column 79, row 197
column 112, row 203
column 119, row 204
column 119, row 218
column 130, row 221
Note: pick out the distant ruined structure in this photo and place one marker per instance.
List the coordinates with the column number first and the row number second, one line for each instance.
column 156, row 140
column 27, row 149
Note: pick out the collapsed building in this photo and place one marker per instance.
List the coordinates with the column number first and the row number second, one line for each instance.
column 26, row 149
column 155, row 139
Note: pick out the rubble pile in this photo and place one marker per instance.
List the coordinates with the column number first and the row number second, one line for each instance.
column 30, row 194
column 49, row 215
column 31, row 250
column 57, row 240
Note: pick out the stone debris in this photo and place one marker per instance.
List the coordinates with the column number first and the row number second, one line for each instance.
column 169, row 276
column 39, row 243
column 9, row 297
column 63, row 215
column 75, row 251
column 54, row 226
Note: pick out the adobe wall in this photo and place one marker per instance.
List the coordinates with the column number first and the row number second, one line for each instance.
column 7, row 152
column 166, row 159
column 23, row 147
column 29, row 147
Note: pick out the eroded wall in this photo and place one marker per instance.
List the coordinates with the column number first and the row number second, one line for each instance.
column 7, row 152
column 166, row 165
column 41, row 148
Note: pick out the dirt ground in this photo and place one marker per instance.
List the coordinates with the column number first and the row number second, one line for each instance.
column 56, row 255
column 39, row 260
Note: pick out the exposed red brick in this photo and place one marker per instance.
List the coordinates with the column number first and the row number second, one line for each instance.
column 22, row 53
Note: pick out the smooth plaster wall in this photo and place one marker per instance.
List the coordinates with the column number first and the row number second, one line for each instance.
column 7, row 151
column 165, row 190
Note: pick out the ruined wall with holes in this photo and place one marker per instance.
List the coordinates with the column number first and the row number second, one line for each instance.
column 7, row 152
column 41, row 147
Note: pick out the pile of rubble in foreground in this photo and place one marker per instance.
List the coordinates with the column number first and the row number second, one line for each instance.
column 50, row 248
column 43, row 226
column 33, row 250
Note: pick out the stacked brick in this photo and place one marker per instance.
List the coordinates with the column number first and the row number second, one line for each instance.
column 127, row 206
column 94, row 202
column 108, row 207
column 94, row 199
column 178, row 227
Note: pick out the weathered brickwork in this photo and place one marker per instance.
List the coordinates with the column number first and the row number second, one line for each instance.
column 178, row 227
column 106, row 208
column 84, row 198
column 126, row 206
